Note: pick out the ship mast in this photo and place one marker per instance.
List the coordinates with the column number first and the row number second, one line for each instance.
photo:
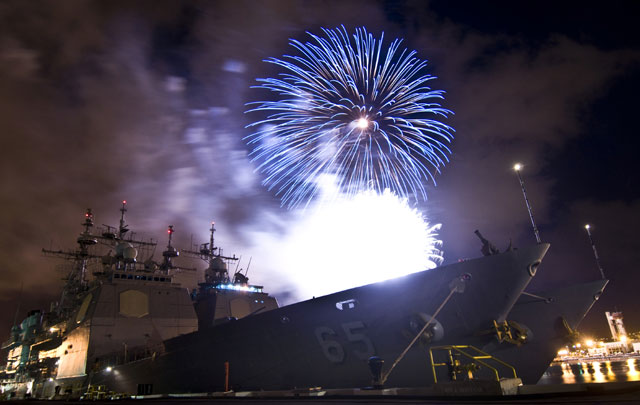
column 170, row 253
column 85, row 240
column 595, row 251
column 211, row 246
column 123, row 226
column 217, row 272
column 126, row 250
column 76, row 279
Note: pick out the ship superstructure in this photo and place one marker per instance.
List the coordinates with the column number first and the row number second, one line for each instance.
column 121, row 310
column 221, row 298
column 125, row 324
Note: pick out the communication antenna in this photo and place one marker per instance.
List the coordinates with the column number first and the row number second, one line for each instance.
column 595, row 251
column 517, row 168
column 123, row 226
column 170, row 253
column 213, row 230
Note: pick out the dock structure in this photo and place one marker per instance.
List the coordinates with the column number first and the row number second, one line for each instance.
column 583, row 393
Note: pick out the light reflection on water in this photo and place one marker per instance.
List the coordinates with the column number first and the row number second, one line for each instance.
column 592, row 372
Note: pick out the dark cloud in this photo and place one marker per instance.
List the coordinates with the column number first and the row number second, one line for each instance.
column 562, row 106
column 145, row 101
column 614, row 224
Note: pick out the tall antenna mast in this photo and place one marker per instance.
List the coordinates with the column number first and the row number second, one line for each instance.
column 595, row 251
column 170, row 253
column 213, row 229
column 248, row 265
column 517, row 168
column 123, row 226
column 85, row 240
column 76, row 281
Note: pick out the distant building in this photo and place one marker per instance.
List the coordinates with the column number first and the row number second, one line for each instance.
column 618, row 332
column 597, row 351
column 615, row 347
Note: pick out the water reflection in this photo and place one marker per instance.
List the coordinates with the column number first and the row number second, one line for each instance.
column 567, row 374
column 592, row 372
column 610, row 373
column 597, row 373
column 632, row 373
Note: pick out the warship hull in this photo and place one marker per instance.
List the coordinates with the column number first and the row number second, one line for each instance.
column 327, row 341
column 551, row 318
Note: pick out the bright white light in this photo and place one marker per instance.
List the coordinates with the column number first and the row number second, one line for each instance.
column 587, row 226
column 623, row 339
column 589, row 342
column 108, row 369
column 237, row 287
column 517, row 167
column 347, row 242
column 362, row 123
column 563, row 352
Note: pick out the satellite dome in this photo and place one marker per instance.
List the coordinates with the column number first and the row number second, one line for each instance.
column 130, row 253
column 121, row 247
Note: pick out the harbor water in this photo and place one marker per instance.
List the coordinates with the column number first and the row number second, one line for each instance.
column 592, row 371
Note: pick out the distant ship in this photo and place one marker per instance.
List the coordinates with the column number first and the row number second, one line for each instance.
column 134, row 331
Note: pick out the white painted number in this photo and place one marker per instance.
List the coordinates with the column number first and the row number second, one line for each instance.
column 333, row 350
column 349, row 329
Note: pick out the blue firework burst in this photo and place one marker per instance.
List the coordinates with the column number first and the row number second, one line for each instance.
column 354, row 109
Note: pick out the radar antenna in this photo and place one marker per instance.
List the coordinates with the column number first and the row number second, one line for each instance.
column 217, row 271
column 123, row 226
column 211, row 245
column 170, row 253
column 76, row 280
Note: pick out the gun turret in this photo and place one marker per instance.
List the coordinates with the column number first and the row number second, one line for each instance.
column 240, row 278
column 488, row 248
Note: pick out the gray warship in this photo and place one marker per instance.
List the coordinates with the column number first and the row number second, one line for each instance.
column 124, row 310
column 135, row 331
column 551, row 319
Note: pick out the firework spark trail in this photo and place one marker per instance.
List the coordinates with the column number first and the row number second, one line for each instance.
column 351, row 108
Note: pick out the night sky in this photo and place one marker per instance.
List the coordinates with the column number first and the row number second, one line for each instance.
column 102, row 101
